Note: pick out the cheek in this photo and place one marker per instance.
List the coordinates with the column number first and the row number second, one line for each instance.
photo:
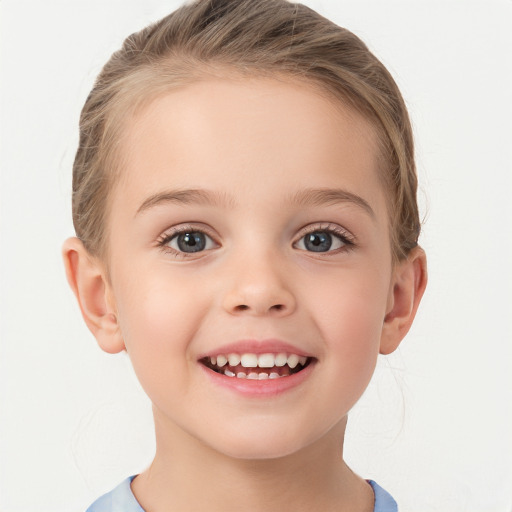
column 354, row 301
column 157, row 324
column 349, row 315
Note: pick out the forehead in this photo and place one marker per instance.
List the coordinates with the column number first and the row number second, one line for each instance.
column 239, row 135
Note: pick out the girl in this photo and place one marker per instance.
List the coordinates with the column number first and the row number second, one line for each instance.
column 244, row 199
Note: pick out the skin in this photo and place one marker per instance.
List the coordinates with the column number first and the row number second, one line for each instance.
column 255, row 146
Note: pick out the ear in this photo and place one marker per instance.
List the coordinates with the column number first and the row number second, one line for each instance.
column 87, row 278
column 407, row 287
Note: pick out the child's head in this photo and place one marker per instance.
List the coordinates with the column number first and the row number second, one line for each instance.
column 242, row 38
column 246, row 173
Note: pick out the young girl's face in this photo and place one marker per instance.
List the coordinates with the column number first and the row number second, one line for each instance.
column 250, row 219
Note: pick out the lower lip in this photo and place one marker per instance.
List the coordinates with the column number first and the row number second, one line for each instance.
column 259, row 388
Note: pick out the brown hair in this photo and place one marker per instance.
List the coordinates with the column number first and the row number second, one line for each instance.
column 255, row 37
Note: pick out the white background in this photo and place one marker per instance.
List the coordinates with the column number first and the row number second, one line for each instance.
column 435, row 426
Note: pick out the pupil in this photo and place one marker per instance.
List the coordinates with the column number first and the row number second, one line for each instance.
column 318, row 241
column 191, row 242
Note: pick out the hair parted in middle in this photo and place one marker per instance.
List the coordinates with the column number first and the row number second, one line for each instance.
column 240, row 38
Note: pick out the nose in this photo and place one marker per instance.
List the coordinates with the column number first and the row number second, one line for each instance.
column 258, row 286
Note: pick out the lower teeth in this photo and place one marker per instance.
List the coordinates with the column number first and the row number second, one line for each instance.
column 253, row 375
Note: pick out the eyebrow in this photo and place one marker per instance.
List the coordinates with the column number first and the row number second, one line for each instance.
column 303, row 198
column 188, row 196
column 330, row 196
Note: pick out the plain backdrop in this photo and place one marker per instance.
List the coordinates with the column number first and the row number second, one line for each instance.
column 435, row 425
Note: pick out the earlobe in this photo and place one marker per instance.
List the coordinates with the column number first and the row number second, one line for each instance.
column 407, row 288
column 86, row 277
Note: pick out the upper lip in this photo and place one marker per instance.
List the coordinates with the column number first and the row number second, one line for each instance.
column 268, row 346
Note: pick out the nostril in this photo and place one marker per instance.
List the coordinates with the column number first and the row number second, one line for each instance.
column 275, row 307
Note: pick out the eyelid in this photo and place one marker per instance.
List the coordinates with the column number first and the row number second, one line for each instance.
column 163, row 240
column 335, row 229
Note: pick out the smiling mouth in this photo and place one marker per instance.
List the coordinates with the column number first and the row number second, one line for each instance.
column 257, row 366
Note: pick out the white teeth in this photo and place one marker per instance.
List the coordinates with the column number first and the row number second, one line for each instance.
column 266, row 361
column 280, row 359
column 252, row 375
column 293, row 360
column 234, row 359
column 249, row 360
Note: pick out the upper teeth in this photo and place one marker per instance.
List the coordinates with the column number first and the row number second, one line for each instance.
column 268, row 360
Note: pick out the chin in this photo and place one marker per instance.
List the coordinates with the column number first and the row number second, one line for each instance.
column 259, row 452
column 262, row 444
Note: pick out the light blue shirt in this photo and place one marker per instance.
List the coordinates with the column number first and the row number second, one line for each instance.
column 121, row 499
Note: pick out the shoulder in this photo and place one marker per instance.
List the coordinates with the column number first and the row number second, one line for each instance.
column 120, row 498
column 384, row 502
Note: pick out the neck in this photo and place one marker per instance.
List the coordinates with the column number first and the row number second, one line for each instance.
column 187, row 475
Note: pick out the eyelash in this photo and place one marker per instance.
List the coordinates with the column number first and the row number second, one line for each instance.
column 348, row 240
column 167, row 237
